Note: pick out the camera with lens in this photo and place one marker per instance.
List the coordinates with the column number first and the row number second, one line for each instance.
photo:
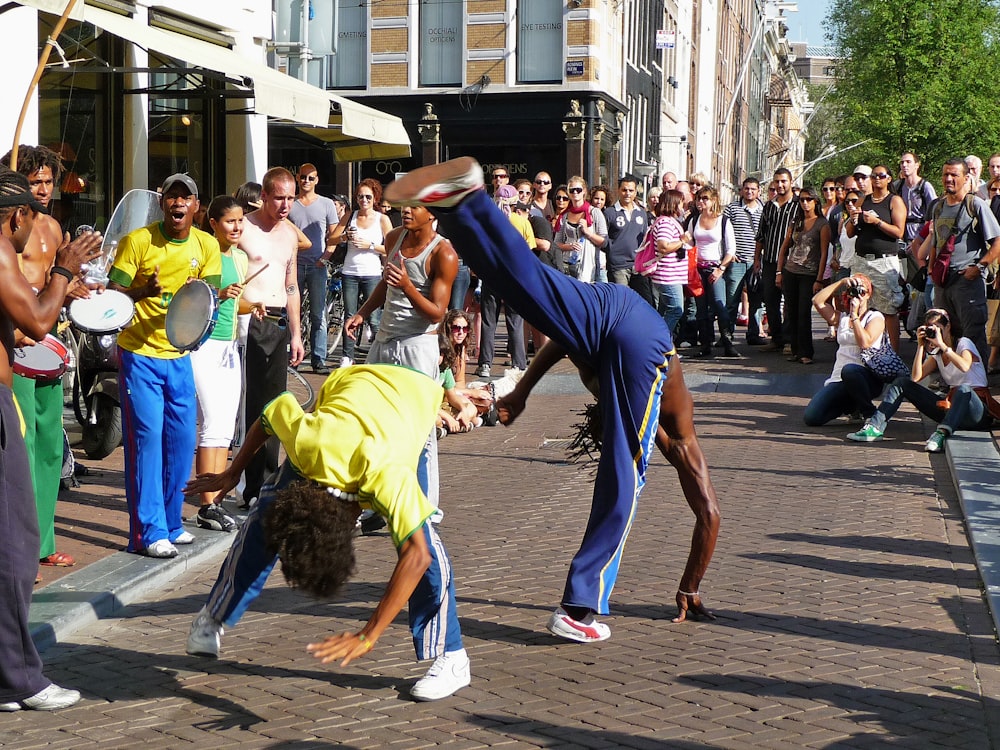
column 854, row 290
column 930, row 332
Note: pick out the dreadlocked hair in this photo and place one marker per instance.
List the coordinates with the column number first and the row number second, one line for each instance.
column 32, row 158
column 586, row 445
column 11, row 183
column 313, row 534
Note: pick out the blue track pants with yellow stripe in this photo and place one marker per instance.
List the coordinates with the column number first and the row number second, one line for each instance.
column 614, row 331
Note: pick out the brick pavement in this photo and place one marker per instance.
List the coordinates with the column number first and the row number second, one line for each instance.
column 849, row 609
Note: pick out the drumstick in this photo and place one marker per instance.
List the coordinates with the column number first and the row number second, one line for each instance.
column 256, row 274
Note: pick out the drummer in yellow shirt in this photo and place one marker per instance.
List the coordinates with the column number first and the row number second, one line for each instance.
column 357, row 450
column 157, row 392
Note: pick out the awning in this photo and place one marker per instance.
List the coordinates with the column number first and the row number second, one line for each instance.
column 353, row 131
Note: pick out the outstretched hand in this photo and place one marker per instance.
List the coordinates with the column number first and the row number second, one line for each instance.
column 690, row 604
column 220, row 483
column 348, row 645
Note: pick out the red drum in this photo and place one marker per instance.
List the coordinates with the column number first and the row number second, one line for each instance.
column 46, row 360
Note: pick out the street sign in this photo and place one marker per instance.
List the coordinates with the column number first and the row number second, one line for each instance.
column 665, row 39
column 574, row 68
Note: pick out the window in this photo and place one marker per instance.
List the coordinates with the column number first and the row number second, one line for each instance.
column 540, row 51
column 337, row 41
column 442, row 28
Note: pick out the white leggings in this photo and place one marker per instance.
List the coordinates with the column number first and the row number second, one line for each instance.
column 218, row 381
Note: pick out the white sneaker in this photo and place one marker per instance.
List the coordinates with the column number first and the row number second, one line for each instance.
column 160, row 548
column 205, row 637
column 51, row 698
column 448, row 674
column 185, row 537
column 442, row 185
column 346, row 361
column 587, row 630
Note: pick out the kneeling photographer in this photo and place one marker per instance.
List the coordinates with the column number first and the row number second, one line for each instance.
column 969, row 405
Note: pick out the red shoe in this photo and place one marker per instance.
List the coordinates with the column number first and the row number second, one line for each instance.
column 58, row 560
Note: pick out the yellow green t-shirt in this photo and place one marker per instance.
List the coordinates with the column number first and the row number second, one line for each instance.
column 365, row 436
column 138, row 256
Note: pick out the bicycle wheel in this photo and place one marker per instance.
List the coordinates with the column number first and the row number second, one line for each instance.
column 334, row 321
column 301, row 389
column 304, row 325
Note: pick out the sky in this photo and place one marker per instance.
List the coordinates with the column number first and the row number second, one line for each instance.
column 806, row 25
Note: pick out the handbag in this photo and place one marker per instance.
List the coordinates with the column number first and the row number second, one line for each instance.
column 694, row 286
column 883, row 361
column 646, row 259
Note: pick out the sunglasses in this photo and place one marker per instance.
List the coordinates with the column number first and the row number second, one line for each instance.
column 366, row 197
column 562, row 198
column 524, row 192
column 829, row 189
column 501, row 176
column 575, row 190
column 458, row 328
column 880, row 176
column 806, row 199
column 308, row 178
column 543, row 182
column 860, row 176
column 851, row 201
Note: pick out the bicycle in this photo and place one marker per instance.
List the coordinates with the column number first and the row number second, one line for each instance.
column 334, row 310
column 301, row 388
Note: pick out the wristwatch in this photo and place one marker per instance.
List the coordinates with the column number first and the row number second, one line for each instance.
column 372, row 248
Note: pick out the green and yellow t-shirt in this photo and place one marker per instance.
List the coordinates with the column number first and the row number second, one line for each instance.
column 139, row 255
column 365, row 436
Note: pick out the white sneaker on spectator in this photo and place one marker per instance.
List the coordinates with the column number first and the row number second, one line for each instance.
column 185, row 537
column 51, row 698
column 160, row 548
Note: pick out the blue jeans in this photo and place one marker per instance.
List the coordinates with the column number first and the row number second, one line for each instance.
column 312, row 281
column 854, row 393
column 736, row 278
column 354, row 286
column 670, row 303
column 712, row 305
column 459, row 288
column 967, row 410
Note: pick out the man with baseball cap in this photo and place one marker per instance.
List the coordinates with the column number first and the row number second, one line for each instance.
column 158, row 397
column 863, row 176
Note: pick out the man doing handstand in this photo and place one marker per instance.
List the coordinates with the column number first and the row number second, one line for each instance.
column 622, row 341
column 358, row 449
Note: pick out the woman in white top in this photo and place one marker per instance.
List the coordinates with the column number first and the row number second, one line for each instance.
column 365, row 231
column 581, row 233
column 968, row 404
column 851, row 386
column 715, row 241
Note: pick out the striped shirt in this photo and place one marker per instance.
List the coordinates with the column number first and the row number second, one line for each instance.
column 669, row 269
column 745, row 222
column 774, row 223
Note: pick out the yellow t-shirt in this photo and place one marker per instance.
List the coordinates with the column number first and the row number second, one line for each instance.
column 365, row 436
column 139, row 254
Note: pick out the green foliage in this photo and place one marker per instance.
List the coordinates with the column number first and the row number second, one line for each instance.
column 917, row 75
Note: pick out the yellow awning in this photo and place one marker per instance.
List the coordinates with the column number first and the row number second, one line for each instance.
column 354, row 131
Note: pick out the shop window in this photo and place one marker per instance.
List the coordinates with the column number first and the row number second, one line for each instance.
column 337, row 41
column 441, row 44
column 540, row 49
column 177, row 124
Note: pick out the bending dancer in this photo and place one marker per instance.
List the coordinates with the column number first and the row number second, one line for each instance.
column 616, row 336
column 380, row 415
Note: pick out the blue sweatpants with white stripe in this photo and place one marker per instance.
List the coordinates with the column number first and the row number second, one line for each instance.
column 433, row 616
column 159, row 416
column 616, row 333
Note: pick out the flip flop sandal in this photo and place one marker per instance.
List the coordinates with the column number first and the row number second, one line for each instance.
column 58, row 560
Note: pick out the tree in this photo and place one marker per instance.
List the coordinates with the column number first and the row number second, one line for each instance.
column 919, row 75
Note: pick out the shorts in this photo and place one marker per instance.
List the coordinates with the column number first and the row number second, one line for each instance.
column 887, row 294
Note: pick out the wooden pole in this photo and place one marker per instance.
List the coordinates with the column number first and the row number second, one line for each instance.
column 42, row 61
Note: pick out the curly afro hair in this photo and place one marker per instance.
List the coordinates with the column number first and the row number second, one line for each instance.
column 313, row 534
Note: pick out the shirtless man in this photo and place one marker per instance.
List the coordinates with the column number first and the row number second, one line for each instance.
column 274, row 342
column 22, row 684
column 41, row 401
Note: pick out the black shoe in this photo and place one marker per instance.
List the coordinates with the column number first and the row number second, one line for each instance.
column 756, row 341
column 213, row 517
column 728, row 350
column 320, row 368
column 705, row 351
column 370, row 522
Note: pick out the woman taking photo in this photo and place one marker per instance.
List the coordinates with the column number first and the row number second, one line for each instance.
column 801, row 264
column 581, row 233
column 968, row 404
column 715, row 243
column 365, row 231
column 851, row 386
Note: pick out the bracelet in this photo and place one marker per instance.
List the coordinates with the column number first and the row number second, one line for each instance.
column 64, row 272
column 364, row 639
column 688, row 593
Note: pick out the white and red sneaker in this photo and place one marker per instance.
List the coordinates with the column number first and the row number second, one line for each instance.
column 443, row 185
column 587, row 630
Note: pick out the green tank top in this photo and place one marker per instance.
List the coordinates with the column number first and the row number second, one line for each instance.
column 234, row 270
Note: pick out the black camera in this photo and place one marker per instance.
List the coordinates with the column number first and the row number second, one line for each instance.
column 930, row 332
column 855, row 290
